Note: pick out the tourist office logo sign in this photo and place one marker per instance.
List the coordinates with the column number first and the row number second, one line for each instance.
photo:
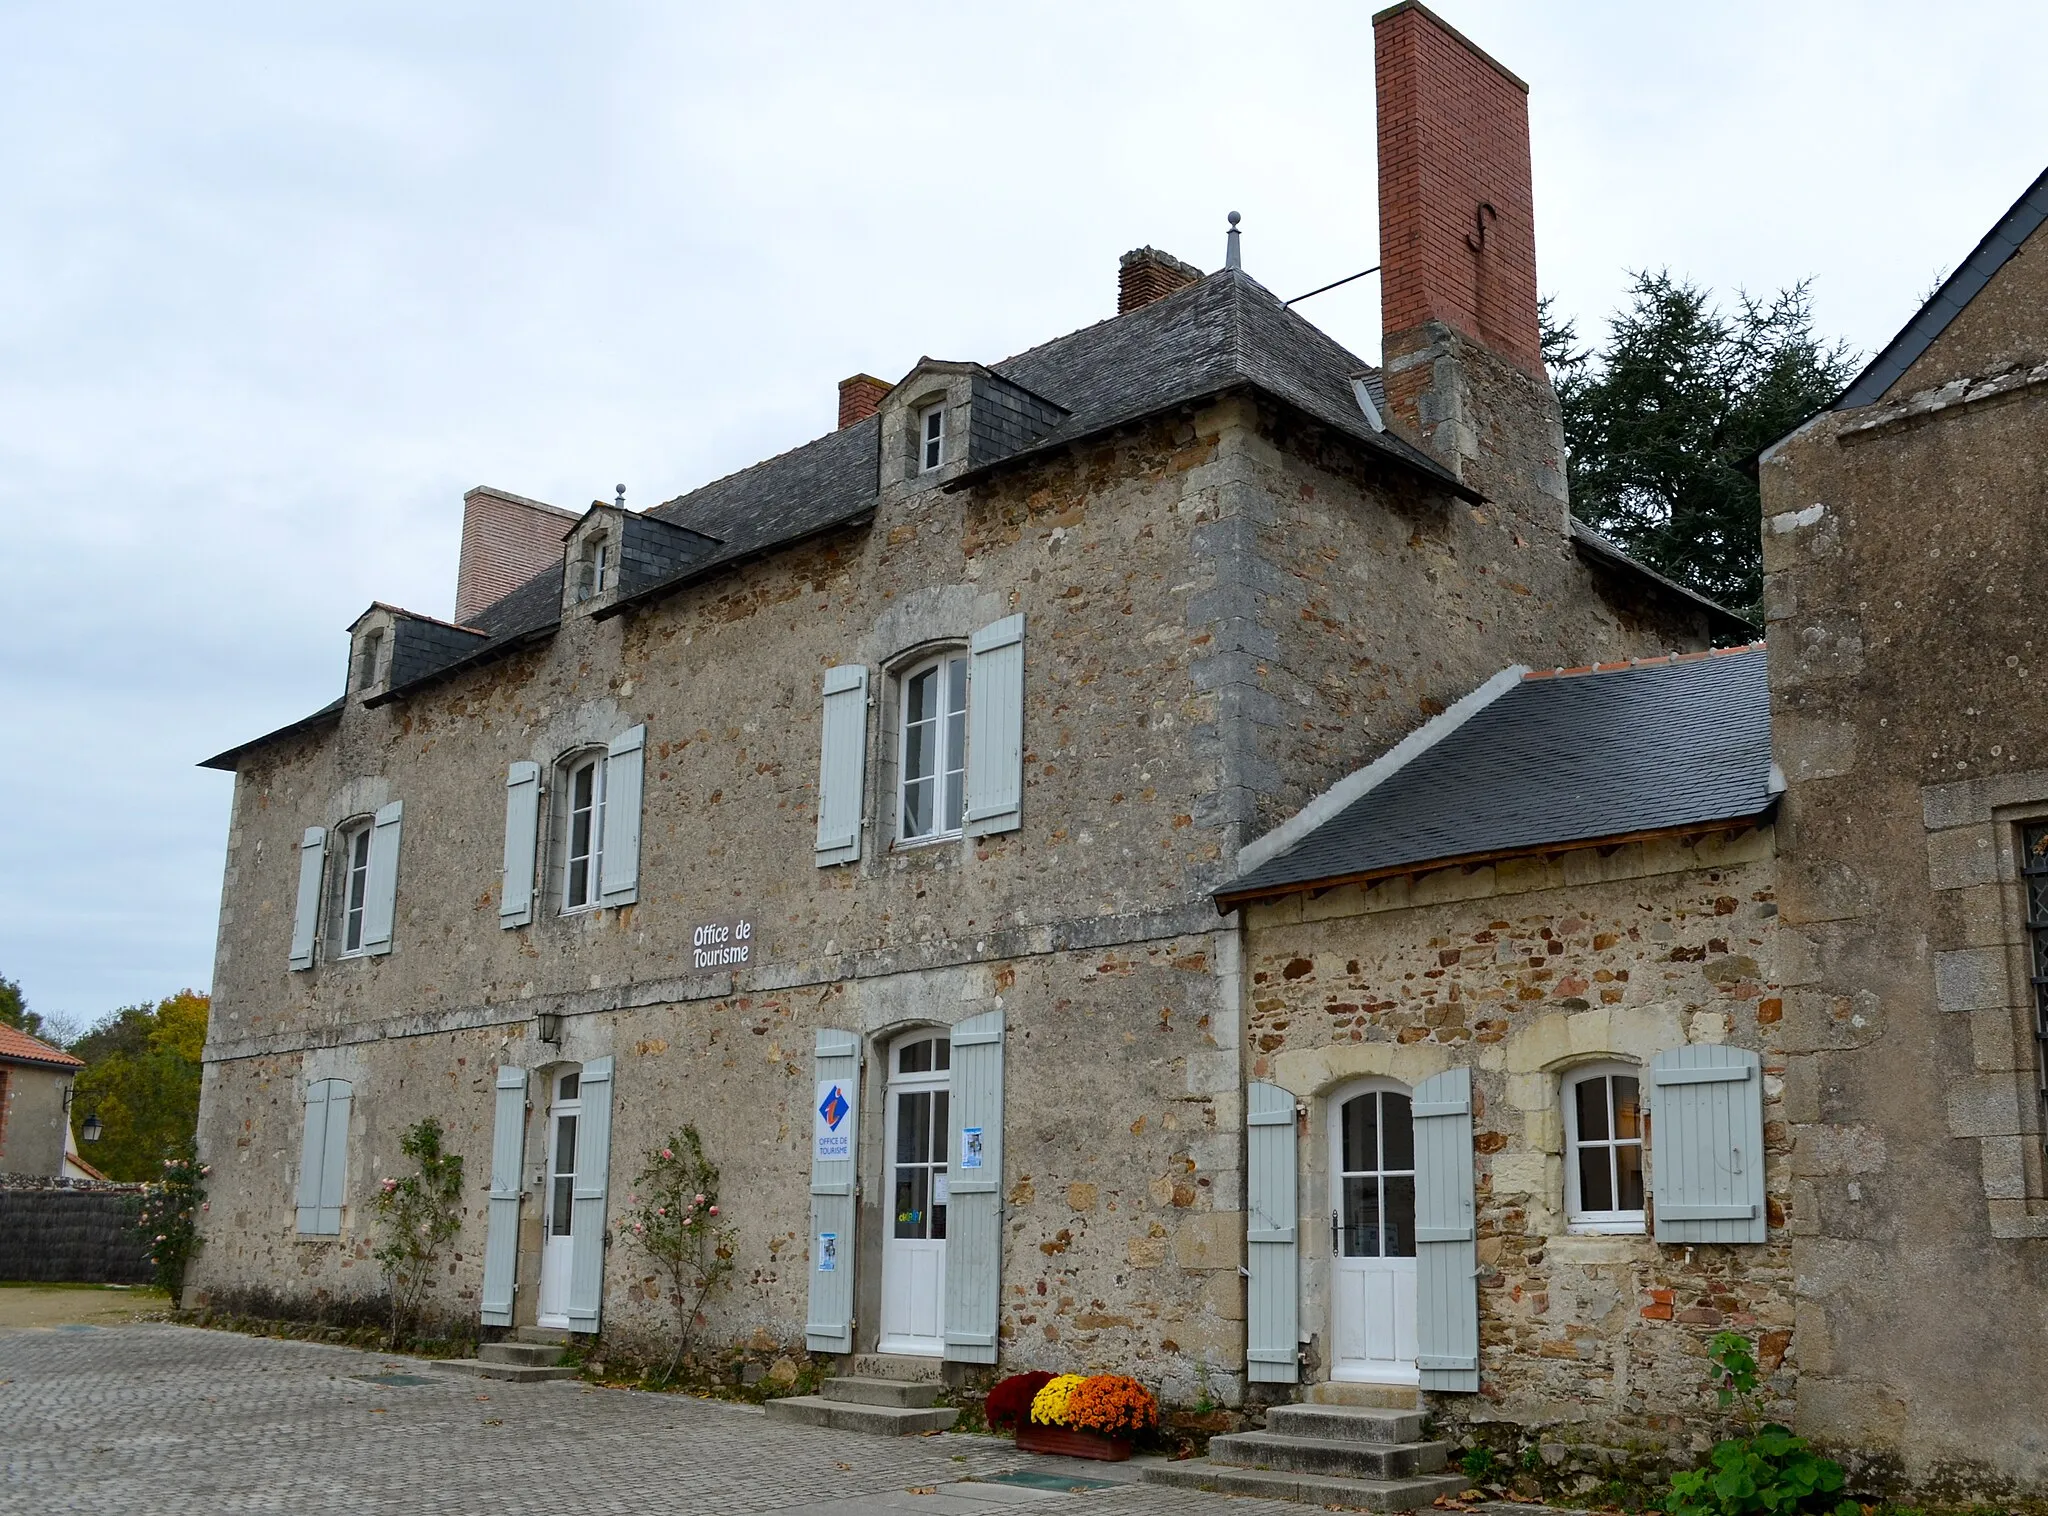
column 833, row 1129
column 727, row 944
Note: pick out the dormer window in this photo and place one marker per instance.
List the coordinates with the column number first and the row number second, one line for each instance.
column 593, row 568
column 931, row 428
column 369, row 660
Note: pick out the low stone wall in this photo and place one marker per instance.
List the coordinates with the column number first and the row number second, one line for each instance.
column 73, row 1236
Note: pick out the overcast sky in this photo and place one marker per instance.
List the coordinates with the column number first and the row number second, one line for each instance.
column 278, row 283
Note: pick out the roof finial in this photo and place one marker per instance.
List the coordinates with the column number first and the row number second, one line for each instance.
column 622, row 497
column 1232, row 258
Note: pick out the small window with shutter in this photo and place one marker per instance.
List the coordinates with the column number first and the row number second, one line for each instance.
column 1603, row 1126
column 323, row 1158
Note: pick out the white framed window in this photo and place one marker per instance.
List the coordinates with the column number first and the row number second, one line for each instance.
column 593, row 568
column 931, row 431
column 351, row 890
column 1603, row 1127
column 583, row 789
column 932, row 749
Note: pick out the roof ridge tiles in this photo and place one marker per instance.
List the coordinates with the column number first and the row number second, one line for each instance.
column 1657, row 660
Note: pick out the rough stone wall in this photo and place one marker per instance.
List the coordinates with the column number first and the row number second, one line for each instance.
column 32, row 1119
column 1522, row 970
column 1211, row 637
column 1903, row 547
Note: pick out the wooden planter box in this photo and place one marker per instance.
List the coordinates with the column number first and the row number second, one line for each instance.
column 1070, row 1442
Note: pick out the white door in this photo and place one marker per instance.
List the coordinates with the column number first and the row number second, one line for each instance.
column 914, row 1244
column 564, row 1109
column 1372, row 1235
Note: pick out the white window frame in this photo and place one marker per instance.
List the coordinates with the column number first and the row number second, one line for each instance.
column 931, row 437
column 949, row 750
column 593, row 567
column 1577, row 1217
column 595, row 762
column 351, row 886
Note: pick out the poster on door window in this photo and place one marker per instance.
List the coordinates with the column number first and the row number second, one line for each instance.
column 941, row 1191
column 970, row 1147
column 828, row 1252
column 833, row 1127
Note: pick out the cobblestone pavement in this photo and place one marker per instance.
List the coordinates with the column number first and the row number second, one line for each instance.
column 169, row 1420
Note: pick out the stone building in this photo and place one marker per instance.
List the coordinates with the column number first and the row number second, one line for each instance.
column 35, row 1109
column 1904, row 536
column 865, row 809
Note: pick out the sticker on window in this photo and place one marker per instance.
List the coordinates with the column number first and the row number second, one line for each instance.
column 970, row 1147
column 828, row 1252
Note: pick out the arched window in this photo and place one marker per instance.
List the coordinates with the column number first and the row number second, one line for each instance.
column 350, row 892
column 580, row 818
column 1603, row 1126
column 593, row 567
column 932, row 749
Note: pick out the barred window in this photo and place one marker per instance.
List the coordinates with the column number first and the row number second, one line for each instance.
column 2034, row 867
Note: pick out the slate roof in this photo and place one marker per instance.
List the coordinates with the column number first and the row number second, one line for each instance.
column 1224, row 332
column 1571, row 757
column 1946, row 303
column 19, row 1047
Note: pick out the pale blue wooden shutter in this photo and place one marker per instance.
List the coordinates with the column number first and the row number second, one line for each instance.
column 1707, row 1135
column 974, row 1208
column 624, row 769
column 587, row 1203
column 522, row 836
column 380, row 902
column 334, row 1156
column 312, row 1156
column 306, row 920
column 995, row 728
column 842, row 764
column 508, row 1160
column 1273, row 1295
column 1446, row 1235
column 835, row 1148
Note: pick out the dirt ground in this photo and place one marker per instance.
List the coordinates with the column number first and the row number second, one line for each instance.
column 48, row 1305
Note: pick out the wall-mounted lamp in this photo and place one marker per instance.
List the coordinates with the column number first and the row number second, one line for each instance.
column 92, row 1129
column 550, row 1026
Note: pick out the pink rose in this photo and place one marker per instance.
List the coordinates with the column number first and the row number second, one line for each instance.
column 666, row 1153
column 700, row 1200
column 714, row 1210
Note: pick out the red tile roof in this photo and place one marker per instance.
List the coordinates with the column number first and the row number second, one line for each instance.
column 19, row 1047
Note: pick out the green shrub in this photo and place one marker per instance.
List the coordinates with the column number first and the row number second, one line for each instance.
column 1768, row 1472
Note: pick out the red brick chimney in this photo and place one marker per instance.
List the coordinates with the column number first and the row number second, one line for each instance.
column 1463, row 357
column 1145, row 274
column 860, row 397
column 506, row 540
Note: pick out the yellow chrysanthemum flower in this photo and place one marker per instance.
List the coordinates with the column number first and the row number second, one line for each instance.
column 1049, row 1405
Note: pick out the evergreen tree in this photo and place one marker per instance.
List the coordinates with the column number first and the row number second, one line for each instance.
column 1659, row 422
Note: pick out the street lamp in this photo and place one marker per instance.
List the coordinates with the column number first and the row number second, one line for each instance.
column 550, row 1026
column 91, row 1130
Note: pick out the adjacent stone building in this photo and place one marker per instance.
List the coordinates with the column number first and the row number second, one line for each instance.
column 35, row 1108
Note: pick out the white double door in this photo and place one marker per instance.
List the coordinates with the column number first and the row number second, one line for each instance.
column 914, row 1240
column 558, row 1208
column 1372, row 1235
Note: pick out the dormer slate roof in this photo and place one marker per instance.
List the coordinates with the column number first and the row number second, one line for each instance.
column 1540, row 760
column 1226, row 332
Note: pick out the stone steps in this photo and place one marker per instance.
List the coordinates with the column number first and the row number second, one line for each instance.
column 1347, row 1451
column 1345, row 1458
column 860, row 1390
column 882, row 1404
column 1345, row 1423
column 1305, row 1489
column 519, row 1359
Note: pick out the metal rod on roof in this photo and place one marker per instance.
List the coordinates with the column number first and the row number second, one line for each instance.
column 1345, row 280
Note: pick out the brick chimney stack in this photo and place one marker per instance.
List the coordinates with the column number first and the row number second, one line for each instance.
column 506, row 540
column 1463, row 357
column 860, row 397
column 1145, row 274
